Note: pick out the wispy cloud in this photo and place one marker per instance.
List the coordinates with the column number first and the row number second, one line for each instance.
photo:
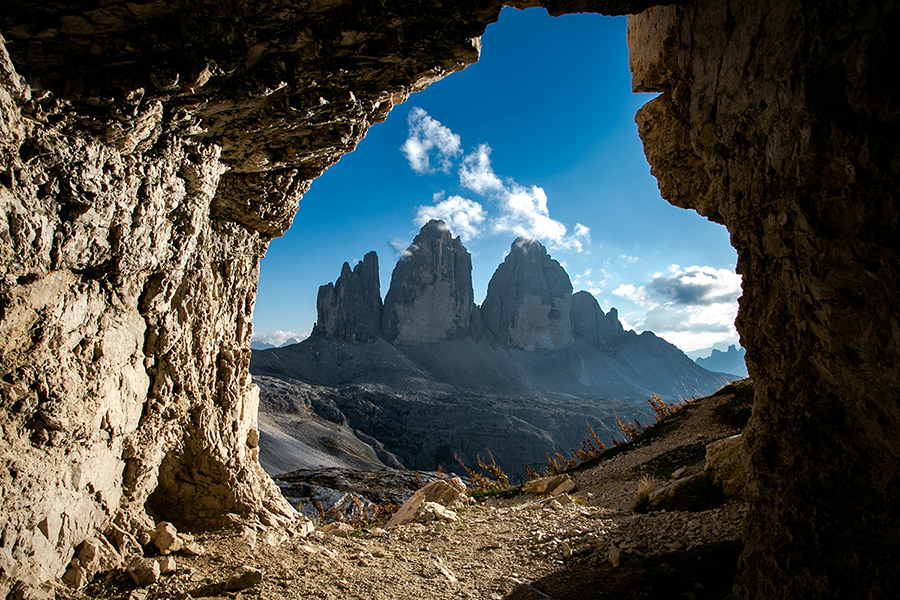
column 476, row 173
column 523, row 211
column 277, row 338
column 692, row 307
column 429, row 144
column 462, row 216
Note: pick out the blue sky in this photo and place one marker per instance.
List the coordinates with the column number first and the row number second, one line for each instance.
column 537, row 138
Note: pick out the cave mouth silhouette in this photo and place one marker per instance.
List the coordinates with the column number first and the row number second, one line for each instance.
column 774, row 118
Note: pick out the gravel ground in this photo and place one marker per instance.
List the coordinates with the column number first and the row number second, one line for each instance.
column 588, row 544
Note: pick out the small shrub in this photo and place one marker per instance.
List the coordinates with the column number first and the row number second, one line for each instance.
column 663, row 409
column 493, row 469
column 631, row 431
column 494, row 479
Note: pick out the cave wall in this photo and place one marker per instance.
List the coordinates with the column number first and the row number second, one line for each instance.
column 782, row 121
column 149, row 151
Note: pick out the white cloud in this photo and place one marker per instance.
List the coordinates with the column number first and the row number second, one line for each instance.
column 403, row 249
column 523, row 211
column 462, row 216
column 476, row 173
column 429, row 139
column 582, row 278
column 583, row 232
column 697, row 285
column 277, row 337
column 636, row 295
column 692, row 307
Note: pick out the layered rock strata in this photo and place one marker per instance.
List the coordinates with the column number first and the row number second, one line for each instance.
column 430, row 299
column 529, row 299
column 350, row 309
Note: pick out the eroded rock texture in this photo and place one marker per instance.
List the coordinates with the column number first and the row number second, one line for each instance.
column 782, row 121
column 150, row 150
column 148, row 153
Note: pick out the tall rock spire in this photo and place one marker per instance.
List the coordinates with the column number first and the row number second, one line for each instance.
column 350, row 309
column 431, row 298
column 529, row 300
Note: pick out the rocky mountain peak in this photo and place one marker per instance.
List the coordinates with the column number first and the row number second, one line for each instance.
column 529, row 300
column 589, row 323
column 430, row 299
column 350, row 309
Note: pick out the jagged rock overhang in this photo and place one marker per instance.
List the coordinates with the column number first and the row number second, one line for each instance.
column 776, row 121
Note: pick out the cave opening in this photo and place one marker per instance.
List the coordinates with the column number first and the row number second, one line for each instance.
column 537, row 139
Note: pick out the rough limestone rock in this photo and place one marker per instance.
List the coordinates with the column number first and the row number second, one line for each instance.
column 350, row 308
column 165, row 538
column 726, row 463
column 780, row 120
column 547, row 485
column 144, row 571
column 431, row 298
column 529, row 299
column 144, row 167
column 441, row 493
column 243, row 578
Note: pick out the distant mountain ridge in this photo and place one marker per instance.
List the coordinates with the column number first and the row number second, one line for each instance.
column 429, row 374
column 530, row 334
column 731, row 361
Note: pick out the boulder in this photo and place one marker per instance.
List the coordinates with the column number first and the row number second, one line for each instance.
column 243, row 578
column 443, row 492
column 694, row 493
column 167, row 565
column 337, row 529
column 726, row 464
column 144, row 571
column 554, row 485
column 432, row 511
column 166, row 539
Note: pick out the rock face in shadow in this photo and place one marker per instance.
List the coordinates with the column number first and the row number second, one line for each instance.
column 350, row 308
column 589, row 323
column 430, row 299
column 778, row 120
column 528, row 300
column 150, row 151
column 730, row 361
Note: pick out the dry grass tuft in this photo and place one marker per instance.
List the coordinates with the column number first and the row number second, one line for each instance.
column 646, row 486
column 493, row 477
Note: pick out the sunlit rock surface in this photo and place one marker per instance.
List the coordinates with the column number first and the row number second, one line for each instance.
column 430, row 299
column 149, row 152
